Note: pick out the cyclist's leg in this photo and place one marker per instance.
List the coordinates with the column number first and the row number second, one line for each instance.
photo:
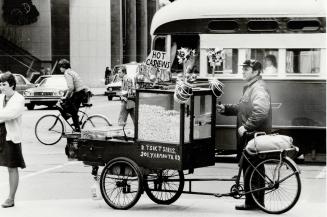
column 75, row 105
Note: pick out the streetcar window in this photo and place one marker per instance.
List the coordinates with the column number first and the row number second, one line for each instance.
column 304, row 25
column 303, row 61
column 159, row 43
column 228, row 64
column 223, row 25
column 186, row 41
column 268, row 58
column 263, row 25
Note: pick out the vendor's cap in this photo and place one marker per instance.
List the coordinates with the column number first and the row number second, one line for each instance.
column 254, row 64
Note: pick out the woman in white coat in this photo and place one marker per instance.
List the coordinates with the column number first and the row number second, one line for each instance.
column 11, row 110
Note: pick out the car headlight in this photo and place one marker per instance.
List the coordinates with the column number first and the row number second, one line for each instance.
column 61, row 93
column 27, row 93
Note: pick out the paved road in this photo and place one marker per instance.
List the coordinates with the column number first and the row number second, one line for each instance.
column 52, row 186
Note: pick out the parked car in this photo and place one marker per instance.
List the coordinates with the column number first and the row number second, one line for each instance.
column 22, row 83
column 40, row 78
column 114, row 87
column 47, row 92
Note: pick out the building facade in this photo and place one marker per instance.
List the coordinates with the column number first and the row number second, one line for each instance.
column 91, row 34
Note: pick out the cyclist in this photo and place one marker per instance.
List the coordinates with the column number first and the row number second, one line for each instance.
column 76, row 94
column 253, row 114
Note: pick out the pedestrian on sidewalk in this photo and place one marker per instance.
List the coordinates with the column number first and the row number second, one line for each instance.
column 11, row 110
column 127, row 97
column 254, row 114
column 107, row 75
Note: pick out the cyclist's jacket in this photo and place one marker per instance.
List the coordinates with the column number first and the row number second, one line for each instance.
column 74, row 82
column 254, row 108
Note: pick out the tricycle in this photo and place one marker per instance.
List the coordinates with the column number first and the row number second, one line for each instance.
column 170, row 141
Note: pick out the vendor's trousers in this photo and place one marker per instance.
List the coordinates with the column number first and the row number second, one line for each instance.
column 257, row 181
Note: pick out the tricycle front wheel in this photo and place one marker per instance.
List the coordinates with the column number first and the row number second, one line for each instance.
column 164, row 186
column 120, row 183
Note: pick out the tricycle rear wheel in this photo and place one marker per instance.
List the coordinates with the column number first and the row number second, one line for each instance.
column 121, row 183
column 164, row 186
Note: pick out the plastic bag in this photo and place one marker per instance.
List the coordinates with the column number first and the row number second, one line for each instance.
column 95, row 189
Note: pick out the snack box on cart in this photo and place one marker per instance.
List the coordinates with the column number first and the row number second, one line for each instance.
column 167, row 134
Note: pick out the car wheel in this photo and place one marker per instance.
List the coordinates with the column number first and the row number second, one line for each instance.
column 109, row 98
column 30, row 106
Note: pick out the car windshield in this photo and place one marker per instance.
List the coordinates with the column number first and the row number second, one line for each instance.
column 54, row 82
column 41, row 78
column 116, row 78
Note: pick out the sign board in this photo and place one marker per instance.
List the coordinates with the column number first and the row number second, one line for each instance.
column 156, row 66
column 158, row 59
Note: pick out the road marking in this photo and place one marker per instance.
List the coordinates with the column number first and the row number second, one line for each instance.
column 43, row 171
column 322, row 174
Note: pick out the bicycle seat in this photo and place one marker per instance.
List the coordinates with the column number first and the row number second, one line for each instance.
column 86, row 105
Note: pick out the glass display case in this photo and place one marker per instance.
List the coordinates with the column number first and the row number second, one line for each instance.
column 202, row 116
column 160, row 119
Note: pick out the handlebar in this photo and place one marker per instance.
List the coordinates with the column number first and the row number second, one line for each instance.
column 253, row 133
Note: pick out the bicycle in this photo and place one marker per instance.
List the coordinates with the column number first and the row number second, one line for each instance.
column 50, row 128
column 279, row 177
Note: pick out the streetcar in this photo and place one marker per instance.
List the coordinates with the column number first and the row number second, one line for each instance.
column 287, row 37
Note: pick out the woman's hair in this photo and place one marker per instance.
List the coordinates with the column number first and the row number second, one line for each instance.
column 10, row 78
column 272, row 59
column 63, row 63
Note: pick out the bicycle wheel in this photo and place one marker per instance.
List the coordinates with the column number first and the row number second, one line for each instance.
column 164, row 187
column 96, row 122
column 121, row 183
column 280, row 194
column 49, row 129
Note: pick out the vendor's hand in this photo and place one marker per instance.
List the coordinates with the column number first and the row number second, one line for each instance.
column 241, row 130
column 220, row 108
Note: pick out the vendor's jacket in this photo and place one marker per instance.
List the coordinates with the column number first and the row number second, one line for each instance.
column 254, row 108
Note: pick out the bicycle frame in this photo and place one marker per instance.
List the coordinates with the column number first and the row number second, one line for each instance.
column 239, row 192
column 82, row 119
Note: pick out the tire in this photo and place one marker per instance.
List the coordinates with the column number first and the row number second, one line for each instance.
column 281, row 196
column 121, row 183
column 96, row 121
column 49, row 129
column 161, row 190
column 30, row 106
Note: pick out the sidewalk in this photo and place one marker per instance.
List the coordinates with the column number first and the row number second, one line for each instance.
column 184, row 206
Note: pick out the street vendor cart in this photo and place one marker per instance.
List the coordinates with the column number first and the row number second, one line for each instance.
column 170, row 140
